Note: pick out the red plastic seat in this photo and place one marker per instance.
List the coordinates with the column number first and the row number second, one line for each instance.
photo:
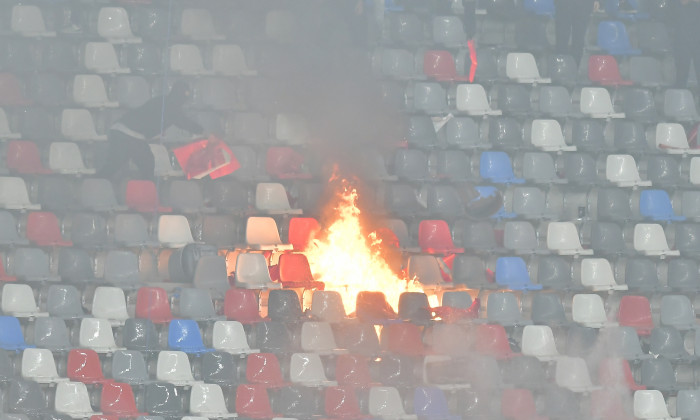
column 252, row 401
column 301, row 231
column 607, row 404
column 152, row 303
column 341, row 402
column 264, row 369
column 84, row 365
column 402, row 338
column 635, row 311
column 118, row 399
column 294, row 272
column 142, row 196
column 492, row 340
column 11, row 91
column 616, row 373
column 603, row 69
column 440, row 65
column 23, row 157
column 352, row 369
column 518, row 404
column 434, row 237
column 242, row 305
column 43, row 229
column 285, row 163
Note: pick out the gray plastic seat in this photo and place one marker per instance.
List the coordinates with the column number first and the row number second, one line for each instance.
column 487, row 70
column 411, row 164
column 580, row 340
column 641, row 274
column 607, row 238
column 196, row 304
column 297, row 401
column 683, row 275
column 475, row 235
column 216, row 93
column 25, row 397
column 284, row 305
column 444, row 201
column 131, row 229
column 228, row 196
column 677, row 311
column 528, row 202
column 560, row 403
column 520, row 237
column 9, row 234
column 646, row 71
column 503, row 308
column 121, row 268
column 470, row 270
column 164, row 399
column 657, row 373
column 394, row 370
column 667, row 342
column 679, row 105
column 131, row 91
column 405, row 28
column 463, row 133
column 221, row 231
column 98, row 194
column 184, row 196
column 47, row 89
column 428, row 97
column 51, row 333
column 221, row 368
column 75, row 265
column 32, row 264
column 421, row 131
column 578, row 168
column 458, row 299
column 539, row 168
column 505, row 133
column 58, row 55
column 524, row 372
column 554, row 101
column 484, row 372
column 129, row 366
column 513, row 99
column 686, row 238
column 623, row 342
column 586, row 134
column 554, row 272
column 273, row 337
column 548, row 309
column 64, row 301
column 689, row 204
column 639, row 105
column 210, row 273
column 653, row 36
column 448, row 31
column 36, row 123
column 357, row 337
column 140, row 334
column 663, row 171
column 688, row 404
column 626, row 135
column 562, row 69
column 88, row 230
column 247, row 126
column 395, row 63
column 58, row 193
column 401, row 199
column 7, row 368
column 414, row 307
column 145, row 58
column 454, row 165
column 611, row 204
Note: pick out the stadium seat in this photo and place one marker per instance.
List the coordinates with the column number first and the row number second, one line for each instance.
column 448, row 31
column 78, row 124
column 504, row 308
column 522, row 68
column 186, row 59
column 512, row 273
column 174, row 367
column 185, row 335
column 39, row 365
column 440, row 65
column 327, row 305
column 471, row 99
column 595, row 102
column 655, row 205
column 639, row 104
column 207, row 400
column 230, row 60
column 28, row 21
column 253, row 401
column 89, row 91
column 262, row 234
column 83, row 365
column 174, row 231
column 73, row 399
column 229, row 336
column 649, row 239
column 547, row 135
column 113, row 25
column 572, row 373
column 241, row 305
column 6, row 132
column 307, row 369
column 101, row 57
column 140, row 334
column 251, row 272
column 152, row 303
column 385, row 402
column 221, row 368
column 66, row 158
column 97, row 334
column 666, row 342
column 563, row 238
column 18, row 300
column 671, row 138
column 677, row 311
column 198, row 24
column 428, row 97
column 603, row 69
column 496, row 167
column 597, row 275
column 589, row 310
column 64, row 301
column 613, row 38
column 622, row 171
column 163, row 399
column 118, row 399
column 24, row 157
column 679, row 105
column 538, row 341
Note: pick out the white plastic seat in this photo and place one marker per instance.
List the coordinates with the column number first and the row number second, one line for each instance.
column 307, row 369
column 110, row 303
column 77, row 124
column 164, row 166
column 229, row 336
column 187, row 59
column 572, row 373
column 89, row 91
column 649, row 404
column 230, row 60
column 271, row 198
column 66, row 158
column 522, row 68
column 174, row 367
column 198, row 24
column 622, row 171
column 472, row 100
column 650, row 239
column 73, row 399
column 262, row 233
column 101, row 57
column 252, row 272
column 548, row 136
column 589, row 310
column 671, row 138
column 207, row 400
column 291, row 128
column 14, row 194
column 174, row 231
column 38, row 365
column 562, row 238
column 694, row 171
column 385, row 402
column 597, row 275
column 113, row 24
column 97, row 334
column 595, row 102
column 538, row 341
column 5, row 131
column 18, row 301
column 27, row 20
column 317, row 337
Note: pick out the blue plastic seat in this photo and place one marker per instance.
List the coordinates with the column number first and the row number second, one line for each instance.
column 11, row 337
column 184, row 335
column 511, row 272
column 496, row 166
column 539, row 7
column 613, row 38
column 490, row 191
column 656, row 205
column 430, row 403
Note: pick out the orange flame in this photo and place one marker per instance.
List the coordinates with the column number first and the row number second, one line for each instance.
column 349, row 262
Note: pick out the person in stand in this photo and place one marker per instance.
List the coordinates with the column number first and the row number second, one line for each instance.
column 686, row 33
column 570, row 23
column 128, row 139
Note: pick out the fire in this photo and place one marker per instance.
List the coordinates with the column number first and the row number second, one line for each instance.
column 349, row 262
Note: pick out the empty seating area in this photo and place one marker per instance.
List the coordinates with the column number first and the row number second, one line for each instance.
column 194, row 298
